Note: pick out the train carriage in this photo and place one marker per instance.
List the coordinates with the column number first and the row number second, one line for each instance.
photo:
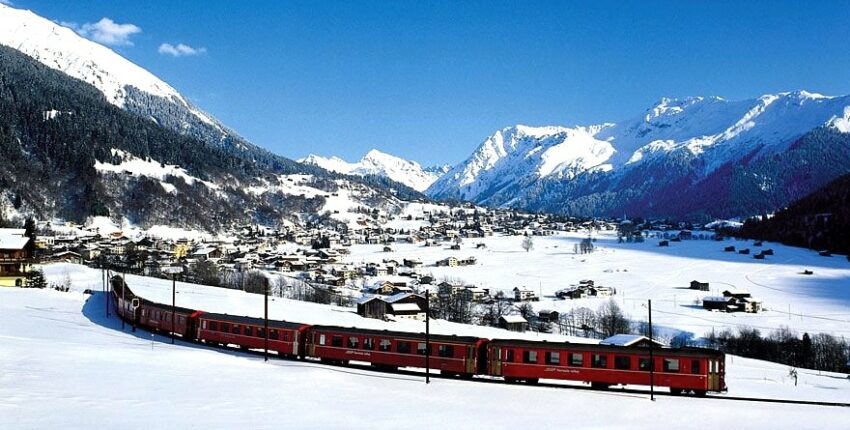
column 681, row 369
column 285, row 338
column 451, row 355
column 157, row 317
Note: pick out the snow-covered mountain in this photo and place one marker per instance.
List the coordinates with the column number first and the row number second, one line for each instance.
column 123, row 83
column 616, row 164
column 378, row 163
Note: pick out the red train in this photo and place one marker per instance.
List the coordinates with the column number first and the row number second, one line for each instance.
column 696, row 370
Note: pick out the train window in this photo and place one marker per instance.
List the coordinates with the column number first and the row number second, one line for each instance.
column 671, row 365
column 695, row 367
column 181, row 320
column 402, row 346
column 553, row 357
column 286, row 336
column 273, row 334
column 213, row 325
column 385, row 344
column 576, row 359
column 336, row 341
column 529, row 356
column 237, row 329
column 261, row 332
column 599, row 361
column 510, row 356
column 204, row 325
column 225, row 327
column 643, row 364
column 249, row 331
column 369, row 343
column 420, row 348
column 622, row 362
column 446, row 351
column 353, row 341
column 321, row 339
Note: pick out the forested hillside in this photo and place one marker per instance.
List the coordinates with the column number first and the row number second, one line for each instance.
column 820, row 221
column 53, row 130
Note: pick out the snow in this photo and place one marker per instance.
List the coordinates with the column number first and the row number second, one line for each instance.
column 151, row 168
column 642, row 271
column 378, row 163
column 64, row 364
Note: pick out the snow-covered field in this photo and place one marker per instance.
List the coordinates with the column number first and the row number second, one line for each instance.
column 641, row 271
column 63, row 364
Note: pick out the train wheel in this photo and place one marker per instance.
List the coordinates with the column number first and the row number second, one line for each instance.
column 532, row 381
column 699, row 393
column 676, row 391
column 599, row 386
column 510, row 380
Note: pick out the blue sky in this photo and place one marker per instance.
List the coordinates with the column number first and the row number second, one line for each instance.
column 430, row 80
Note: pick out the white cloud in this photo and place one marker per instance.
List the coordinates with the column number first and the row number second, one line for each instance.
column 180, row 50
column 106, row 31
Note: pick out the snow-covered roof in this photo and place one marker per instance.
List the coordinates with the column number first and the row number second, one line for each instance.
column 513, row 319
column 13, row 242
column 625, row 340
column 405, row 307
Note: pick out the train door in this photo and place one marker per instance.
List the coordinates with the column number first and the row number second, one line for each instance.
column 496, row 360
column 470, row 359
column 715, row 379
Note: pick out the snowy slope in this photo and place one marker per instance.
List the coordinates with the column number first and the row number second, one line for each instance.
column 62, row 49
column 378, row 163
column 65, row 365
column 711, row 130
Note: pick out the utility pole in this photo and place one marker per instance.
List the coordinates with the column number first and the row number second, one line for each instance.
column 266, row 327
column 427, row 337
column 123, row 288
column 651, row 359
column 173, row 271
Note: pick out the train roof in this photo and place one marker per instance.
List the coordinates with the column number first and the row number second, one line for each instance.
column 251, row 320
column 687, row 351
column 402, row 334
column 165, row 307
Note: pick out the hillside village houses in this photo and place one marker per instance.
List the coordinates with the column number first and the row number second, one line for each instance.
column 15, row 258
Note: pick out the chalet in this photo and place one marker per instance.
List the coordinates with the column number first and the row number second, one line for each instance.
column 699, row 286
column 15, row 258
column 745, row 251
column 474, row 294
column 548, row 315
column 729, row 249
column 448, row 262
column 513, row 323
column 66, row 257
column 448, row 289
column 470, row 261
column 524, row 294
column 208, row 253
column 767, row 251
column 412, row 262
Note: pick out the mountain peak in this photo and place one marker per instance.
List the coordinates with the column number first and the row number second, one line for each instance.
column 379, row 163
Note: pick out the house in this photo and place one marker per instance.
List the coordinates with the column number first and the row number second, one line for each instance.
column 664, row 243
column 66, row 257
column 207, row 253
column 449, row 289
column 15, row 258
column 402, row 305
column 447, row 262
column 699, row 286
column 729, row 249
column 474, row 294
column 513, row 323
column 524, row 294
column 548, row 315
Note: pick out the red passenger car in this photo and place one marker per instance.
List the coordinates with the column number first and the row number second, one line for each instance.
column 686, row 369
column 451, row 355
column 157, row 317
column 246, row 332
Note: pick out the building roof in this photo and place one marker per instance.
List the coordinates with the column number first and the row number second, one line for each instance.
column 626, row 340
column 13, row 242
column 405, row 307
column 514, row 319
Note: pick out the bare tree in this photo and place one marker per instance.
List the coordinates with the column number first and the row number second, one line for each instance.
column 528, row 243
column 611, row 320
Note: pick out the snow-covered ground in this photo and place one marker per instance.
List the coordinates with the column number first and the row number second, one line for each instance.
column 63, row 364
column 641, row 271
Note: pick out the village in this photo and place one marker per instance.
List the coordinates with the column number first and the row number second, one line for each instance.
column 313, row 263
